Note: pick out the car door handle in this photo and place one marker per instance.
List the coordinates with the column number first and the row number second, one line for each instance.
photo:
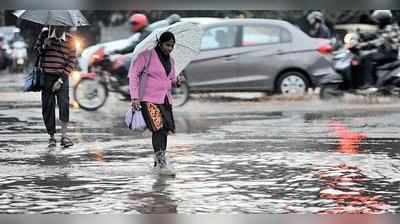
column 230, row 57
column 279, row 52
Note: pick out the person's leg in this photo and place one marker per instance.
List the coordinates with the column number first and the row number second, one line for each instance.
column 169, row 126
column 164, row 141
column 367, row 71
column 166, row 167
column 63, row 106
column 377, row 59
column 157, row 141
column 168, row 117
column 48, row 109
column 384, row 58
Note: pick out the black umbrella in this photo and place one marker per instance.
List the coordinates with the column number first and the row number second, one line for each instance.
column 53, row 17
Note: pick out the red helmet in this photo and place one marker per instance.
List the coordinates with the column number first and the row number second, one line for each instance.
column 138, row 21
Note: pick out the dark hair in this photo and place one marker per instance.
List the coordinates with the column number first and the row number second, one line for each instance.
column 165, row 37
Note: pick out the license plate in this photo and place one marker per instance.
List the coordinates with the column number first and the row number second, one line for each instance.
column 20, row 61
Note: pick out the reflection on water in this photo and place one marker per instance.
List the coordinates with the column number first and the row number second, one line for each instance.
column 349, row 142
column 156, row 201
column 277, row 162
column 346, row 185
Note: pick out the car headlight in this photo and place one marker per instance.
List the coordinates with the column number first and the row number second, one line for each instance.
column 78, row 44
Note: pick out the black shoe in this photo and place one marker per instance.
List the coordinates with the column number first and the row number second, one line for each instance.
column 52, row 142
column 66, row 142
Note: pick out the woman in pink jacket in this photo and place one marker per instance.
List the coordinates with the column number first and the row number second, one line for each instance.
column 155, row 98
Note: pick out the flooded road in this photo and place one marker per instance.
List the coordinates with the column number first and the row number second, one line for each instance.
column 229, row 158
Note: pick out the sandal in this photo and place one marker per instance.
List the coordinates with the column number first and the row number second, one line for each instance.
column 66, row 142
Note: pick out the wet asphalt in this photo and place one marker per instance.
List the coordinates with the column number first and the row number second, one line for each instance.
column 270, row 155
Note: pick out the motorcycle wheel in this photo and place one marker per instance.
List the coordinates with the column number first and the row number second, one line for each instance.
column 181, row 94
column 90, row 94
column 330, row 91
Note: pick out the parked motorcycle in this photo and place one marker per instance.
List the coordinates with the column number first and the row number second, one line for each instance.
column 19, row 56
column 348, row 77
column 5, row 52
column 110, row 74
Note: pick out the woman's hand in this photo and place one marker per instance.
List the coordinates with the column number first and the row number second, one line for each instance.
column 57, row 85
column 179, row 80
column 136, row 104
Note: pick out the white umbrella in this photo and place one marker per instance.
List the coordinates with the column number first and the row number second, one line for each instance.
column 187, row 46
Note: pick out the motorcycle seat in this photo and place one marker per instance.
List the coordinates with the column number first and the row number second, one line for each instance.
column 389, row 66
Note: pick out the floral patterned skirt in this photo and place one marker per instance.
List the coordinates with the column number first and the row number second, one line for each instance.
column 158, row 117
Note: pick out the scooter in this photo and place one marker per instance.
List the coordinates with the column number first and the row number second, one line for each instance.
column 348, row 78
column 92, row 89
column 19, row 56
column 109, row 73
column 5, row 55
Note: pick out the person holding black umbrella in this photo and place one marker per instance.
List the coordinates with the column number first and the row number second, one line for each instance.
column 57, row 58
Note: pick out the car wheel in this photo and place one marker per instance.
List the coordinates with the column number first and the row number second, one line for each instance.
column 292, row 83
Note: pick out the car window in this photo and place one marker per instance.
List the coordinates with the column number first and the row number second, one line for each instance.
column 285, row 36
column 219, row 37
column 256, row 35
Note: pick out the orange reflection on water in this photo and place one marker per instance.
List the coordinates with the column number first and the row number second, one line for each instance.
column 99, row 156
column 349, row 140
column 345, row 184
column 345, row 188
